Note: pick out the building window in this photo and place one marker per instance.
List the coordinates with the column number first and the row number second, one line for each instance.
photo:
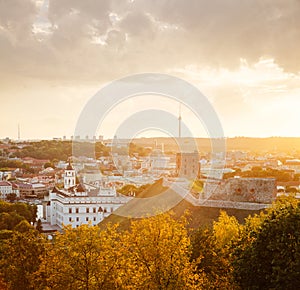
column 77, row 210
column 70, row 219
column 70, row 210
column 94, row 210
column 87, row 210
column 94, row 219
column 87, row 219
column 77, row 219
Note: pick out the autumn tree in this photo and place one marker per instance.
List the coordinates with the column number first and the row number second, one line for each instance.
column 80, row 258
column 156, row 255
column 210, row 260
column 23, row 227
column 226, row 229
column 268, row 255
column 13, row 214
column 20, row 258
column 211, row 251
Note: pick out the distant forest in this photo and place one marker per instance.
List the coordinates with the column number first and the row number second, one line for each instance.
column 62, row 150
column 290, row 145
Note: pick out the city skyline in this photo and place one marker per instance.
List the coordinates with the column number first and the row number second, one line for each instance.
column 56, row 55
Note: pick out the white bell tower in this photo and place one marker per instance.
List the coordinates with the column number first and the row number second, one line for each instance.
column 69, row 176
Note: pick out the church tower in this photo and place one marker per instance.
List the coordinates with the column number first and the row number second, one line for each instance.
column 69, row 177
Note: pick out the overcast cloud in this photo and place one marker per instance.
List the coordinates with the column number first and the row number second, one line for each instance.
column 88, row 41
column 93, row 39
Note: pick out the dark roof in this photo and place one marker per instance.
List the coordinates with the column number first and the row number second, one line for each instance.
column 5, row 183
column 80, row 188
column 55, row 189
column 69, row 167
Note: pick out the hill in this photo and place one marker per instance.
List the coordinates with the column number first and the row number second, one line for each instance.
column 158, row 198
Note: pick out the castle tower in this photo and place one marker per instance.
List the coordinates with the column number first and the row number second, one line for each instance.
column 69, row 177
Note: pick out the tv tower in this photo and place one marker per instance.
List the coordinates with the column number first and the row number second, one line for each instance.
column 19, row 132
column 179, row 122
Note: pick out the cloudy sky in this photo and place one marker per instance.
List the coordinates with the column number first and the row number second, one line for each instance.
column 57, row 54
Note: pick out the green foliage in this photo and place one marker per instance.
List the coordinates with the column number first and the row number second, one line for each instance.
column 158, row 253
column 39, row 226
column 11, row 197
column 49, row 164
column 197, row 185
column 140, row 150
column 257, row 171
column 268, row 254
column 46, row 149
column 10, row 164
column 20, row 258
column 8, row 221
column 23, row 227
column 130, row 189
column 11, row 214
column 5, row 234
column 210, row 260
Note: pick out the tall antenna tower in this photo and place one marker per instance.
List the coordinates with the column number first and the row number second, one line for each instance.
column 179, row 122
column 19, row 133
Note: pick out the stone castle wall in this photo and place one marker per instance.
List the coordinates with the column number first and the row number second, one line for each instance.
column 260, row 190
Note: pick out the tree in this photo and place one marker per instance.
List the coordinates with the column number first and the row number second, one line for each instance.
column 23, row 226
column 226, row 229
column 156, row 255
column 210, row 260
column 39, row 226
column 11, row 197
column 268, row 256
column 80, row 258
column 48, row 164
column 9, row 220
column 20, row 258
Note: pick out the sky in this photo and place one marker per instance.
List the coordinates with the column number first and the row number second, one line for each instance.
column 55, row 55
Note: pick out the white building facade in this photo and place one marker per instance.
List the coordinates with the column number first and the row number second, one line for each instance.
column 74, row 205
column 5, row 188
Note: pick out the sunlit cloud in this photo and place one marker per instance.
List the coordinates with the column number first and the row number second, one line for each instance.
column 243, row 55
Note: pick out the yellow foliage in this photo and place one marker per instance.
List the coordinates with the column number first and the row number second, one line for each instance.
column 157, row 255
column 81, row 258
column 226, row 229
column 153, row 254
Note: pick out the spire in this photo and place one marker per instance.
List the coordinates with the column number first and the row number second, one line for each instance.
column 69, row 167
column 179, row 122
column 19, row 132
column 69, row 176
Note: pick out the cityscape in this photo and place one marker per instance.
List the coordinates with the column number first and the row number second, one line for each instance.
column 149, row 145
